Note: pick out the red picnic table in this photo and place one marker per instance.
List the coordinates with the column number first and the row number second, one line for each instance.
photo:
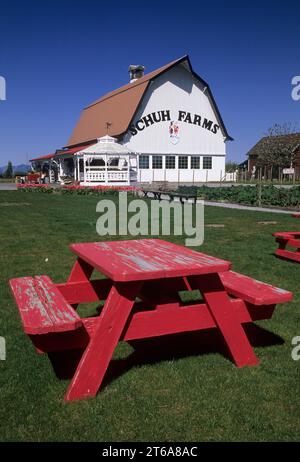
column 142, row 300
column 290, row 239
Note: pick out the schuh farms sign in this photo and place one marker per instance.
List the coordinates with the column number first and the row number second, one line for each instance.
column 165, row 115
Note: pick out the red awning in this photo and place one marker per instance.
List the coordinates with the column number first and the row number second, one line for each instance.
column 73, row 150
column 47, row 156
column 62, row 152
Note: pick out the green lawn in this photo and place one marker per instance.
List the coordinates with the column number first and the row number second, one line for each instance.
column 178, row 391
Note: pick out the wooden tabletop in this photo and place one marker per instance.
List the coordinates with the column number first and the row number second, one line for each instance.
column 142, row 259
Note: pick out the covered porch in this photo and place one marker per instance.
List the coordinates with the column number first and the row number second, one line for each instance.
column 105, row 163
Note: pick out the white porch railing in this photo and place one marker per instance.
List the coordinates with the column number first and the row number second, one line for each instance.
column 106, row 175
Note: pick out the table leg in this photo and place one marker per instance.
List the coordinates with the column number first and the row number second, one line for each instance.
column 81, row 271
column 110, row 325
column 282, row 245
column 220, row 307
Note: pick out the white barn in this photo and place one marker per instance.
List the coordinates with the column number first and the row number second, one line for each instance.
column 167, row 121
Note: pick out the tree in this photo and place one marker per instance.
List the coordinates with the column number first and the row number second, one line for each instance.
column 9, row 170
column 277, row 150
column 281, row 129
column 231, row 166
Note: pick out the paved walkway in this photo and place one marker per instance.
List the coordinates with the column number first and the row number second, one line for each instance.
column 229, row 185
column 8, row 186
column 248, row 207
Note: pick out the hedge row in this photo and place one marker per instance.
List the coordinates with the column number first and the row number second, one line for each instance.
column 248, row 195
column 81, row 190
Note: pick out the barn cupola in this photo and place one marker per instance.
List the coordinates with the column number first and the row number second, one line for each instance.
column 135, row 72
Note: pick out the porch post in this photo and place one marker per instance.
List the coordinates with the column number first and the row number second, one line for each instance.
column 75, row 167
column 128, row 170
column 50, row 171
column 106, row 172
column 59, row 170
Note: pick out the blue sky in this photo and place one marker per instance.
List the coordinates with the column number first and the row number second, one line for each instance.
column 58, row 56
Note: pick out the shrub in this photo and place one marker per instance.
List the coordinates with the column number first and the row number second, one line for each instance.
column 26, row 187
column 76, row 189
column 248, row 195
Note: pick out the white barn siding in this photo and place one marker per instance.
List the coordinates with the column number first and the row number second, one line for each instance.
column 178, row 90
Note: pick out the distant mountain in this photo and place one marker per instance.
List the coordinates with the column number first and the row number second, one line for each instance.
column 22, row 168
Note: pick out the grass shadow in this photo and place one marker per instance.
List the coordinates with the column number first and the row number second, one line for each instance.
column 177, row 346
column 163, row 348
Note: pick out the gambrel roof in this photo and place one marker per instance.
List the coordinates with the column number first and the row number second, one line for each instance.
column 119, row 107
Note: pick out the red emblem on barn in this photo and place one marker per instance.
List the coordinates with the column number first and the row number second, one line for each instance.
column 174, row 132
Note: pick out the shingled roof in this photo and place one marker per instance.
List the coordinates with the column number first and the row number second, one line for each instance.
column 292, row 140
column 119, row 107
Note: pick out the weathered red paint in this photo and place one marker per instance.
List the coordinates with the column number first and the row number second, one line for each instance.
column 146, row 259
column 219, row 305
column 109, row 327
column 154, row 272
column 42, row 308
column 253, row 291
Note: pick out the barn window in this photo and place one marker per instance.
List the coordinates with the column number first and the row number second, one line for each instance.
column 144, row 162
column 195, row 162
column 157, row 162
column 170, row 161
column 207, row 162
column 183, row 162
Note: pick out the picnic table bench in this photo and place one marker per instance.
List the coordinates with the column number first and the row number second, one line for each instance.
column 288, row 239
column 141, row 291
column 157, row 194
column 296, row 215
